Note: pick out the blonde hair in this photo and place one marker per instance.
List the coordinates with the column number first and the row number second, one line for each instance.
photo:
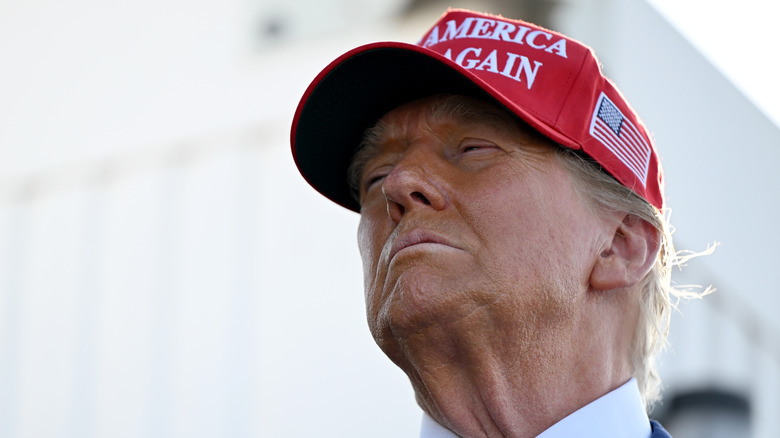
column 658, row 296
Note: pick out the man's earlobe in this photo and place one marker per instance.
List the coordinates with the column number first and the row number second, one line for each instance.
column 628, row 257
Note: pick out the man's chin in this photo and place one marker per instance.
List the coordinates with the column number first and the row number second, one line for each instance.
column 423, row 302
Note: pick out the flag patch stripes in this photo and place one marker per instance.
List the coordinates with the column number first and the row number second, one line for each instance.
column 610, row 127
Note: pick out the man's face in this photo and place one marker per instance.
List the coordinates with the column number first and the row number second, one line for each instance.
column 470, row 224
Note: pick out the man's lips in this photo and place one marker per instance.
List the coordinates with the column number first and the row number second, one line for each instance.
column 416, row 237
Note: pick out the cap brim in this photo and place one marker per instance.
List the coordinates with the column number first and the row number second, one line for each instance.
column 356, row 90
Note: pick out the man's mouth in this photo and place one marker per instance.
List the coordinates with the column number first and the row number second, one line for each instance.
column 415, row 237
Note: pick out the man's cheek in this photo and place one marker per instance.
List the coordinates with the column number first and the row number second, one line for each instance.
column 366, row 244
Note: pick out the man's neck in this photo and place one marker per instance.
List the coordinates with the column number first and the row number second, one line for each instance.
column 473, row 390
column 473, row 408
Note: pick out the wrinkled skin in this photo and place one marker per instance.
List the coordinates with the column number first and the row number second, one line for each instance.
column 488, row 278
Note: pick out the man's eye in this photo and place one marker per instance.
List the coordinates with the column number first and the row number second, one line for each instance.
column 373, row 180
column 472, row 146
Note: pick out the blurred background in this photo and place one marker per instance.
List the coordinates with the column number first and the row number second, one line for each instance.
column 165, row 272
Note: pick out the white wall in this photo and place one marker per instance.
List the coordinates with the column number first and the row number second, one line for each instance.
column 165, row 271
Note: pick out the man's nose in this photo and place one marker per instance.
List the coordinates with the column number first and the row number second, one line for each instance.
column 413, row 183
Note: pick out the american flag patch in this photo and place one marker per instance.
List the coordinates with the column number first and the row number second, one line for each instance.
column 621, row 137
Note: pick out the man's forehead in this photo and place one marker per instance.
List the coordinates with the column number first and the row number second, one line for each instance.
column 399, row 123
column 459, row 110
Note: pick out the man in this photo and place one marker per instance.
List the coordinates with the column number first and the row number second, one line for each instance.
column 516, row 258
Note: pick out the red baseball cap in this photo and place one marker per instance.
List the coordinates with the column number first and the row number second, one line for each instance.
column 552, row 82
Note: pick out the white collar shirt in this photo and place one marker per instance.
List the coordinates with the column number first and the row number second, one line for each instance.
column 617, row 414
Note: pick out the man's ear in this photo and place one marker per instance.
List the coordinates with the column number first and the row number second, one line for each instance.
column 628, row 257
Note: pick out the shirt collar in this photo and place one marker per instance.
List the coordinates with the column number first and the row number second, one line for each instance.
column 618, row 414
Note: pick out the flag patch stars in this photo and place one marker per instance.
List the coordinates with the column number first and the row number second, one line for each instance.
column 610, row 127
column 610, row 115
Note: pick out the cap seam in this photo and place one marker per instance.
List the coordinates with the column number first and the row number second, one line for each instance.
column 568, row 95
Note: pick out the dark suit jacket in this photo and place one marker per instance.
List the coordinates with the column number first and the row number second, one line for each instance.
column 658, row 430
